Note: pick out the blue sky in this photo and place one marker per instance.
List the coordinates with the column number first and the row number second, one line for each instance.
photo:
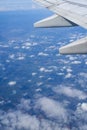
column 6, row 5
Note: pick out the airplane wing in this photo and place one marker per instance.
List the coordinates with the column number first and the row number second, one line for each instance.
column 67, row 13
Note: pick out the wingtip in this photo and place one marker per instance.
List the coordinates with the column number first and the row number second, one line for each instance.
column 63, row 50
column 77, row 47
column 35, row 25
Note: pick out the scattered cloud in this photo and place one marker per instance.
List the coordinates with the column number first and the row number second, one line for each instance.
column 47, row 111
column 12, row 83
column 42, row 69
column 16, row 120
column 76, row 62
column 21, row 118
column 42, row 54
column 21, row 58
column 39, row 83
column 24, row 105
column 81, row 114
column 52, row 108
column 70, row 92
column 82, row 107
column 69, row 75
column 58, row 116
column 33, row 74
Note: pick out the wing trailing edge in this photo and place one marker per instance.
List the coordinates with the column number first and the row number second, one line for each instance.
column 54, row 21
column 68, row 13
column 77, row 47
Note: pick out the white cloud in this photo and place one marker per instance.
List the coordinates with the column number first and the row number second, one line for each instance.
column 42, row 69
column 60, row 74
column 12, row 83
column 81, row 116
column 69, row 70
column 54, row 68
column 82, row 107
column 42, row 54
column 16, row 120
column 83, row 74
column 12, row 56
column 71, row 92
column 24, row 104
column 82, row 79
column 39, row 83
column 69, row 75
column 21, row 58
column 31, row 56
column 56, row 116
column 76, row 62
column 52, row 108
column 72, row 58
column 20, row 119
column 38, row 90
column 33, row 74
column 27, row 44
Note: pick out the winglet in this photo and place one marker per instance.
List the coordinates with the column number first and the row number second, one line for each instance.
column 77, row 47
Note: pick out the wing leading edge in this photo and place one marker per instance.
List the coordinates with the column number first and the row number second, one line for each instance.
column 68, row 13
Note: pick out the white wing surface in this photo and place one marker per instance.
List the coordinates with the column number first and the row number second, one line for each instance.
column 68, row 13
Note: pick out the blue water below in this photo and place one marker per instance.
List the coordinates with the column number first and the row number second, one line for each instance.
column 34, row 77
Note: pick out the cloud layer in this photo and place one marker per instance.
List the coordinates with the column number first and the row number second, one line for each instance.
column 9, row 5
